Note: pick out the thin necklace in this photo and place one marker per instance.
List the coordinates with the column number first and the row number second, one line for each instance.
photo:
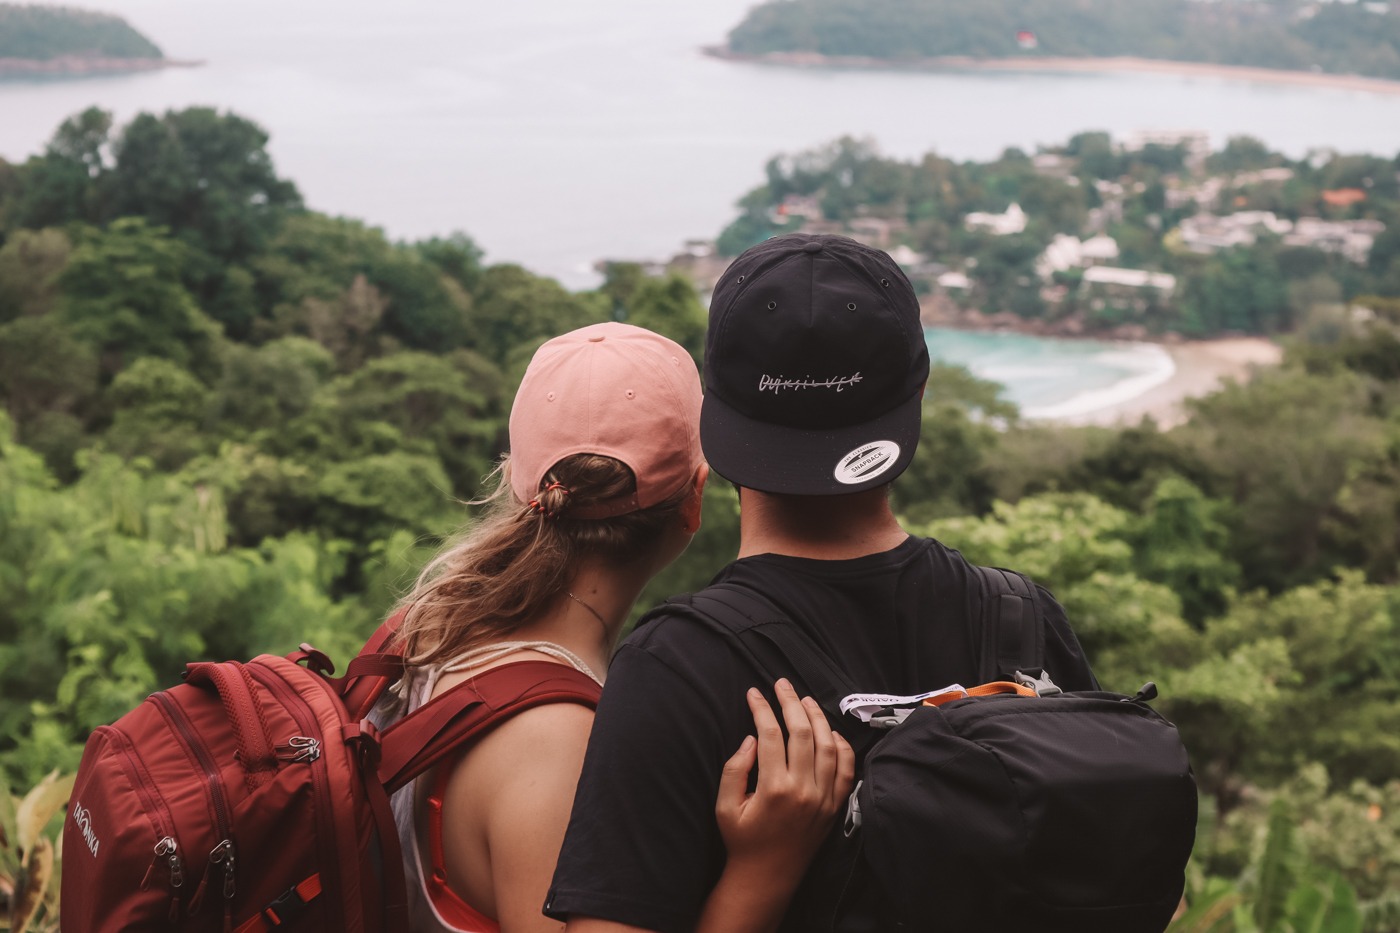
column 592, row 610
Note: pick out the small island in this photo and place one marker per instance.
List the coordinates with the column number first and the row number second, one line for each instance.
column 63, row 41
column 1354, row 42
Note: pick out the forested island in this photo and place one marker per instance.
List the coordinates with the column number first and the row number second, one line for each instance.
column 52, row 40
column 231, row 424
column 1295, row 35
column 1150, row 236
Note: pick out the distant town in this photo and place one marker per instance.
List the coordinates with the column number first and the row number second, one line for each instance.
column 1127, row 236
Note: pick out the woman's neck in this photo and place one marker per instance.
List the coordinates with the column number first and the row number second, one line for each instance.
column 587, row 616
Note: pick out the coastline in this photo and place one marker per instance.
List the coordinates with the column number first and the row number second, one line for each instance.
column 1107, row 65
column 77, row 66
column 1199, row 367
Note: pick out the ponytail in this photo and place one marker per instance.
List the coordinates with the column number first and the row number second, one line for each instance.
column 517, row 558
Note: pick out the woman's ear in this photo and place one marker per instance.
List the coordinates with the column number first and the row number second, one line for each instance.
column 692, row 506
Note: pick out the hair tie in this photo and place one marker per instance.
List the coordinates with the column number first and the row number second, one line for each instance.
column 536, row 506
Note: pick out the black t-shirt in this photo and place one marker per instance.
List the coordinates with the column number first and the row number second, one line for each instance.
column 642, row 846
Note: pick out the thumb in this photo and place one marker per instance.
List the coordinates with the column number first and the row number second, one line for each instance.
column 734, row 778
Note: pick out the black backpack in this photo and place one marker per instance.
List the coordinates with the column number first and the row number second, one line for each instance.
column 1031, row 808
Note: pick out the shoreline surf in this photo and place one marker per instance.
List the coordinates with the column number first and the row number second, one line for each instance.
column 1046, row 63
column 1157, row 381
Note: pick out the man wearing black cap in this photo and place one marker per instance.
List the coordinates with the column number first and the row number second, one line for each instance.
column 815, row 367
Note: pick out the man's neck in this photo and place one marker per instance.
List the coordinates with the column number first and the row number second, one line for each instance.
column 817, row 527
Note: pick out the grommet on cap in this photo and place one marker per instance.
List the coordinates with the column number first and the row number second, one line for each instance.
column 739, row 280
column 851, row 306
column 550, row 396
column 812, row 248
column 885, row 282
column 630, row 394
column 772, row 305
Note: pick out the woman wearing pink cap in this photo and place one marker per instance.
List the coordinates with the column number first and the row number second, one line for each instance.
column 602, row 490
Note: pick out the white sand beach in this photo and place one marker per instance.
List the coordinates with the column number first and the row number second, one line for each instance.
column 1200, row 367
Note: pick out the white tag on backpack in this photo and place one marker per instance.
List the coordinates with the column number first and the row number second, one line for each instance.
column 864, row 706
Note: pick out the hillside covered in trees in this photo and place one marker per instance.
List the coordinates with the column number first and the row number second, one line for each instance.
column 1342, row 38
column 35, row 38
column 1151, row 235
column 231, row 424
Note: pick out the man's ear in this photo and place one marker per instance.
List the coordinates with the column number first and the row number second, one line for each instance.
column 691, row 507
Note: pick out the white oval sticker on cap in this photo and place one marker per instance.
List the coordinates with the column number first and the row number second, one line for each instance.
column 866, row 462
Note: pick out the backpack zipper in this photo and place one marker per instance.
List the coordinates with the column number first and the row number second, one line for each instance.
column 167, row 847
column 223, row 852
column 307, row 722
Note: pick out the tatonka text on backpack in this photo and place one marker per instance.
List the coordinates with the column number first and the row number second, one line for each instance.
column 1009, row 805
column 255, row 795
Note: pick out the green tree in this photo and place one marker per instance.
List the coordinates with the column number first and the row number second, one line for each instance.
column 160, row 413
column 123, row 295
column 44, row 369
column 205, row 175
column 1285, row 446
column 31, row 262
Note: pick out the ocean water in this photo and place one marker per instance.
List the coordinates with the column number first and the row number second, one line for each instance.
column 1055, row 378
column 558, row 133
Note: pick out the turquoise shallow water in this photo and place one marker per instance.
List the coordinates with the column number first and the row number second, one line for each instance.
column 1050, row 377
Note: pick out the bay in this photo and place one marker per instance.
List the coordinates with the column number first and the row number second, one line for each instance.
column 557, row 133
column 1052, row 377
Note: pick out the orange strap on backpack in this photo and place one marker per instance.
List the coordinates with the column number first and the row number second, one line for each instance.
column 982, row 690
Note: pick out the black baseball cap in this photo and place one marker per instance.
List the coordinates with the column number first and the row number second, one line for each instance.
column 815, row 364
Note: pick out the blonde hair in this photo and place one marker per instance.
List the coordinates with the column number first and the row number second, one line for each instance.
column 518, row 558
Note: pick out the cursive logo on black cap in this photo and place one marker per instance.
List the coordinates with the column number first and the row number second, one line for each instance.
column 778, row 384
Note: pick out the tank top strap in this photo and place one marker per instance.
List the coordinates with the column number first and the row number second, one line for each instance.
column 485, row 654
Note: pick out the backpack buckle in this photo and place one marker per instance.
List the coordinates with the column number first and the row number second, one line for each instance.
column 1039, row 681
column 287, row 907
column 888, row 719
column 853, row 818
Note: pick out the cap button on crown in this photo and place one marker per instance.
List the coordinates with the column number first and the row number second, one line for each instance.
column 812, row 248
column 598, row 339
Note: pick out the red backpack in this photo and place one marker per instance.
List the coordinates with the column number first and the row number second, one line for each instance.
column 256, row 795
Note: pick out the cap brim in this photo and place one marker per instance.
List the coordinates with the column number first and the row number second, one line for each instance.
column 805, row 462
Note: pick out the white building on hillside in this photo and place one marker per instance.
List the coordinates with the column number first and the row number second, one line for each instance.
column 1352, row 239
column 1067, row 252
column 1012, row 220
column 1115, row 278
column 1207, row 233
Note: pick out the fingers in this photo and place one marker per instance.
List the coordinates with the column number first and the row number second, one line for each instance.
column 845, row 772
column 772, row 759
column 816, row 762
column 823, row 745
column 801, row 747
column 734, row 778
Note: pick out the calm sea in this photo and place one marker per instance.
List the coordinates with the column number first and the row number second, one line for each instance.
column 1050, row 377
column 557, row 132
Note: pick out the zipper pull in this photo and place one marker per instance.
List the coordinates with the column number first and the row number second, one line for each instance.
column 167, row 849
column 223, row 855
column 299, row 748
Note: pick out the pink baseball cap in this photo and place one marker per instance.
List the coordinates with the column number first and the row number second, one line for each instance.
column 615, row 390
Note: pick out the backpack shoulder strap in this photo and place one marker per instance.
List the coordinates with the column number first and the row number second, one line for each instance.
column 1012, row 635
column 369, row 674
column 442, row 726
column 769, row 638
